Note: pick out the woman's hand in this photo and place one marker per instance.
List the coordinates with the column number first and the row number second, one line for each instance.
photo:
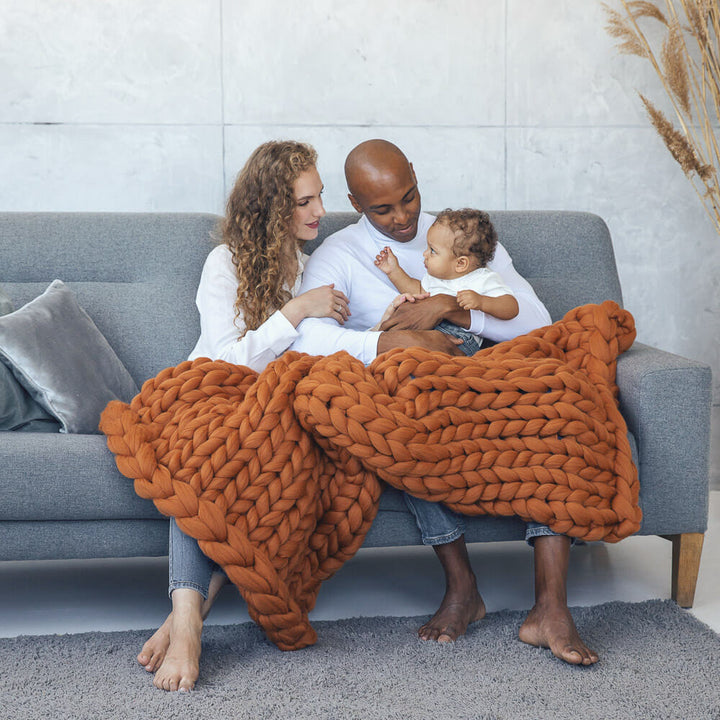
column 323, row 301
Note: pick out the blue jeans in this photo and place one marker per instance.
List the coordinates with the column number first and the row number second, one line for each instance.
column 189, row 567
column 471, row 342
column 440, row 525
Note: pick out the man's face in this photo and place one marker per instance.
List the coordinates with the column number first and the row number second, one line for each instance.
column 390, row 200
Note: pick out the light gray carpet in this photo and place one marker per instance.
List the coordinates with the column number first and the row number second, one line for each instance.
column 657, row 663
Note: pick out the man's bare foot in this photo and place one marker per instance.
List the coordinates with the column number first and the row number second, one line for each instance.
column 181, row 667
column 453, row 617
column 153, row 651
column 554, row 628
column 462, row 603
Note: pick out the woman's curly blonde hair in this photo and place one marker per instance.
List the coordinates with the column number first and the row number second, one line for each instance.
column 257, row 227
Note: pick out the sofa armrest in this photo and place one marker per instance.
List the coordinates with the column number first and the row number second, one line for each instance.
column 666, row 401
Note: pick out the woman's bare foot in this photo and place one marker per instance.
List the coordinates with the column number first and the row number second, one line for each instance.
column 153, row 651
column 181, row 666
column 554, row 628
column 453, row 617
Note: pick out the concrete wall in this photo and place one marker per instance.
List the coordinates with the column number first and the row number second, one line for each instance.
column 502, row 104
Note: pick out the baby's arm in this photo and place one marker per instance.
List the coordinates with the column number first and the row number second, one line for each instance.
column 503, row 307
column 389, row 264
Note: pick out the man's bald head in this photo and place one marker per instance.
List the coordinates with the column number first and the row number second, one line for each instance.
column 373, row 158
column 383, row 187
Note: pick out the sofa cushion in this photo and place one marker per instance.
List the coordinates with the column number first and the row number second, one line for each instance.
column 60, row 357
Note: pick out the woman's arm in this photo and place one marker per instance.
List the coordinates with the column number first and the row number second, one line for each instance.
column 220, row 329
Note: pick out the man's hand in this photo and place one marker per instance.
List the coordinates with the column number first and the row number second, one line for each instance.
column 428, row 339
column 426, row 314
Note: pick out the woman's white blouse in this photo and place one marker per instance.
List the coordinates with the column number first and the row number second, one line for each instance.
column 220, row 329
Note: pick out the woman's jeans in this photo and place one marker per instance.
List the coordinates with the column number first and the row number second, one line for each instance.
column 189, row 567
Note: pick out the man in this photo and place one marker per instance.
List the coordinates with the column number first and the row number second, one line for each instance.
column 384, row 189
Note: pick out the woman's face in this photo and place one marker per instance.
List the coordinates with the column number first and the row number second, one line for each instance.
column 308, row 205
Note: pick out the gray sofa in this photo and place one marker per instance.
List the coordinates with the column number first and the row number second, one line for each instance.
column 136, row 276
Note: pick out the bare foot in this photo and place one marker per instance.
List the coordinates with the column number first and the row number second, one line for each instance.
column 181, row 667
column 153, row 651
column 554, row 628
column 454, row 615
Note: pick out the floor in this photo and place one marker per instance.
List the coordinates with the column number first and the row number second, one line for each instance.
column 77, row 596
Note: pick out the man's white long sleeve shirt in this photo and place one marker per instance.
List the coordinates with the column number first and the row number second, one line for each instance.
column 347, row 259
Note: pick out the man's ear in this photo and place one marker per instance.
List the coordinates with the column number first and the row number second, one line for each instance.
column 355, row 203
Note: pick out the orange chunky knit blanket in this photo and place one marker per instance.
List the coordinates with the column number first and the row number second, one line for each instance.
column 278, row 474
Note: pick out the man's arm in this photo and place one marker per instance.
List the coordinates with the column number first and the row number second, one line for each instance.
column 532, row 313
column 426, row 314
column 428, row 339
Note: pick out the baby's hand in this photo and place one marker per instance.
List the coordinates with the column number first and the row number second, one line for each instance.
column 469, row 300
column 386, row 260
column 394, row 305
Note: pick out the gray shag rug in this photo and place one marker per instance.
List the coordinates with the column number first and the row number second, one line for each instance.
column 657, row 662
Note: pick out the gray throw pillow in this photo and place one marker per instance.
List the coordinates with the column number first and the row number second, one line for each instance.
column 18, row 411
column 60, row 357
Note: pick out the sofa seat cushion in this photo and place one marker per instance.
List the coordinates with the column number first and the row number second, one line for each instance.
column 51, row 476
column 55, row 476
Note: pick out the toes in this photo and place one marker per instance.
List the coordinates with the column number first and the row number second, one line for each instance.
column 448, row 634
column 570, row 655
column 185, row 685
column 429, row 633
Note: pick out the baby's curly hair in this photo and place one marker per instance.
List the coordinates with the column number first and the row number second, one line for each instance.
column 257, row 227
column 475, row 235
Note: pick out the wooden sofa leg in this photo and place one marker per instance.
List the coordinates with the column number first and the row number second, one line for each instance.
column 686, row 552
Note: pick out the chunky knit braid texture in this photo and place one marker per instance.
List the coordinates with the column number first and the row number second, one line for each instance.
column 277, row 474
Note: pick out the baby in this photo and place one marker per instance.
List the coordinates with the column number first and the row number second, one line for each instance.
column 460, row 244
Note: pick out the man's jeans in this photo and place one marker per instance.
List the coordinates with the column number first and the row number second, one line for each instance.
column 440, row 525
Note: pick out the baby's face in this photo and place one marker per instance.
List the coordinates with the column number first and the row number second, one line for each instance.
column 440, row 261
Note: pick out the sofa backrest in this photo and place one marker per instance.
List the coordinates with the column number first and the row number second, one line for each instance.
column 136, row 274
column 566, row 256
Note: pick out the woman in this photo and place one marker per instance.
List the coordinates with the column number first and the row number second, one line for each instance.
column 249, row 312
